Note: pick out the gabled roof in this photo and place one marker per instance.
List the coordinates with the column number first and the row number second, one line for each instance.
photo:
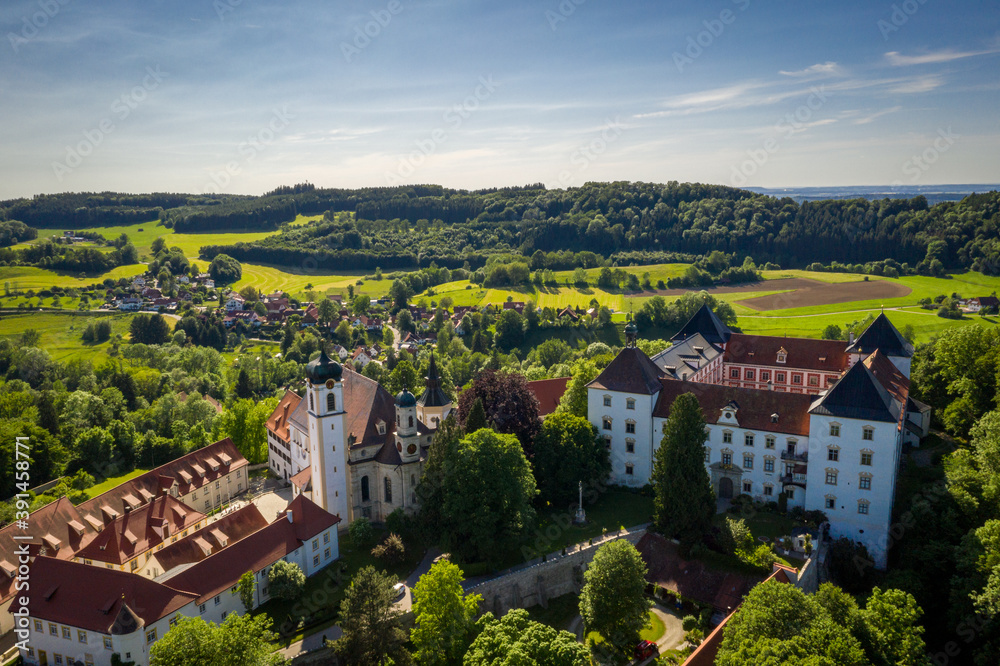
column 59, row 520
column 218, row 535
column 548, row 392
column 183, row 471
column 91, row 598
column 302, row 479
column 760, row 410
column 630, row 372
column 367, row 402
column 858, row 395
column 882, row 335
column 140, row 530
column 221, row 571
column 828, row 356
column 708, row 324
column 686, row 357
column 278, row 421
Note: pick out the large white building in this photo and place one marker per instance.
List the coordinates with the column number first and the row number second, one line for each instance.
column 349, row 445
column 817, row 423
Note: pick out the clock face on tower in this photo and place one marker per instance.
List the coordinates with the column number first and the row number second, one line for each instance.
column 329, row 383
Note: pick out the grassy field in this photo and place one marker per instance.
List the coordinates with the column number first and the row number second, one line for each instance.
column 271, row 278
column 113, row 482
column 61, row 332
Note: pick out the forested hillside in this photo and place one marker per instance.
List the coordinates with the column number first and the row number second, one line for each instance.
column 411, row 226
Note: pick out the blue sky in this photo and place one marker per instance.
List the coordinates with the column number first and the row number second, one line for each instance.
column 243, row 95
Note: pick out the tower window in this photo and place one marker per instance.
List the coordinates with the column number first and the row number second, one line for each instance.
column 312, row 407
column 331, row 402
column 388, row 490
column 365, row 491
column 411, row 421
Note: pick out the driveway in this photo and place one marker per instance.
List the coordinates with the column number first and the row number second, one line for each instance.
column 672, row 638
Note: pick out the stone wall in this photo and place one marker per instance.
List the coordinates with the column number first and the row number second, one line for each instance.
column 536, row 584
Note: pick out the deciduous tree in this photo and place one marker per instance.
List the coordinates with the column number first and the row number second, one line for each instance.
column 445, row 616
column 568, row 450
column 370, row 620
column 612, row 601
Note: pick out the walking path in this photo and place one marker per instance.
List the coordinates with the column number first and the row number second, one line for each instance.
column 672, row 638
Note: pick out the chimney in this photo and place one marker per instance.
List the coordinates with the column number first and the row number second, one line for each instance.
column 850, row 337
column 289, row 514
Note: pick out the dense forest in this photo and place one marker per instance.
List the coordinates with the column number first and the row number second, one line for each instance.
column 623, row 222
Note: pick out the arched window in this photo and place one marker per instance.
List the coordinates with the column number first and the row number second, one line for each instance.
column 365, row 491
column 411, row 421
column 331, row 402
column 388, row 490
column 311, row 407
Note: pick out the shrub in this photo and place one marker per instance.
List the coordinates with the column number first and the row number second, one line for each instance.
column 390, row 551
column 735, row 537
column 361, row 533
column 689, row 622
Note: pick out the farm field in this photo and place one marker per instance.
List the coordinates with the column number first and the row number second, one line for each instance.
column 61, row 333
column 24, row 278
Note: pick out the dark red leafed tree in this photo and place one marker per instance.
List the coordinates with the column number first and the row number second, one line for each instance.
column 511, row 407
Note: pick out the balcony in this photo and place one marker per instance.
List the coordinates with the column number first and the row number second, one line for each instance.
column 799, row 457
column 794, row 479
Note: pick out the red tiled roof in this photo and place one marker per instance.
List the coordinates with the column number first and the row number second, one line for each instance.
column 548, row 392
column 755, row 407
column 828, row 356
column 91, row 598
column 888, row 375
column 107, row 506
column 366, row 403
column 221, row 571
column 58, row 520
column 709, row 648
column 218, row 535
column 278, row 421
column 141, row 530
column 302, row 479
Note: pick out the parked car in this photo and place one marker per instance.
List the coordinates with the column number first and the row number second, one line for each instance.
column 399, row 590
column 645, row 650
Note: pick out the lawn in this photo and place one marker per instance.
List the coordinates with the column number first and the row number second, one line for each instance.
column 61, row 333
column 761, row 524
column 113, row 482
column 653, row 632
column 558, row 613
column 23, row 278
column 271, row 278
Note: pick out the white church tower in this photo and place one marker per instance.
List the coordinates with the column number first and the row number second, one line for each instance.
column 327, row 436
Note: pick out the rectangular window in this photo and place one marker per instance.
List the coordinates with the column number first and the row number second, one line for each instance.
column 727, row 458
column 315, row 544
column 831, row 502
column 747, row 487
column 833, row 455
column 326, row 537
column 630, row 428
column 38, row 626
column 607, row 401
column 734, row 373
column 606, row 423
column 769, row 442
column 218, row 599
column 81, row 636
column 797, row 378
column 765, row 375
column 866, row 458
column 727, row 438
column 768, row 490
column 315, row 560
column 708, row 455
column 67, row 633
column 629, row 469
column 151, row 635
column 831, row 478
column 779, row 377
column 107, row 643
column 326, row 554
column 865, row 483
column 630, row 404
column 834, row 430
column 831, row 380
column 748, row 461
column 53, row 629
column 863, row 508
column 749, row 374
column 201, row 608
column 790, row 493
column 59, row 659
column 868, row 434
column 629, row 446
column 768, row 464
column 748, row 440
column 813, row 380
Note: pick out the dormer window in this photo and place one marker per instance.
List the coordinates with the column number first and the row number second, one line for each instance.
column 381, row 427
column 782, row 355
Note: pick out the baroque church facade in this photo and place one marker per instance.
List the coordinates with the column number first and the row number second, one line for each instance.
column 350, row 446
column 818, row 424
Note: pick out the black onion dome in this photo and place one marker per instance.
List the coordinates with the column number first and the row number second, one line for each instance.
column 631, row 327
column 323, row 368
column 405, row 399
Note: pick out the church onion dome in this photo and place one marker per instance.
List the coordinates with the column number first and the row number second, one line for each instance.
column 405, row 399
column 631, row 328
column 322, row 369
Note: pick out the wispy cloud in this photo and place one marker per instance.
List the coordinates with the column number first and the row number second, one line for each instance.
column 864, row 120
column 896, row 59
column 821, row 69
column 918, row 85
